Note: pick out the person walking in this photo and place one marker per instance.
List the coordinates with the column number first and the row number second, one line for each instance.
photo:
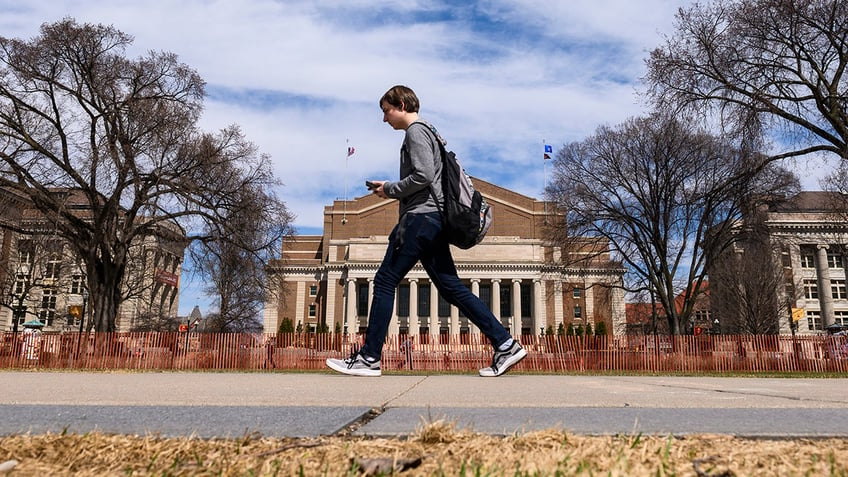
column 418, row 237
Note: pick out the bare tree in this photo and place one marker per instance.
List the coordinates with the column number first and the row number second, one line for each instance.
column 153, row 321
column 76, row 114
column 761, row 66
column 747, row 281
column 235, row 265
column 663, row 195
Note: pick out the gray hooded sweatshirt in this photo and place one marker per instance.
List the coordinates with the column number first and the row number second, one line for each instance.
column 420, row 171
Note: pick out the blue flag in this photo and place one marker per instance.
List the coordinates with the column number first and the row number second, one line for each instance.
column 548, row 148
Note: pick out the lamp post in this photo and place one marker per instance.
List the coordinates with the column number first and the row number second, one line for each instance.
column 84, row 293
column 13, row 299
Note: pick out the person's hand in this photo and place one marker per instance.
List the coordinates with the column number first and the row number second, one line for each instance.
column 378, row 190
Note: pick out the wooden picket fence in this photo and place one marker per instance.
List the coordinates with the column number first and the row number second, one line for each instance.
column 460, row 353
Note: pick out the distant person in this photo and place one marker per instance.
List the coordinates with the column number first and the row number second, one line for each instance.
column 418, row 236
column 269, row 352
column 406, row 351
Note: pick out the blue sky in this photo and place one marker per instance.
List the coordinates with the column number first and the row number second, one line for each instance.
column 303, row 77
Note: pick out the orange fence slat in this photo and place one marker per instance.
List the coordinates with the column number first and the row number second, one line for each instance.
column 458, row 353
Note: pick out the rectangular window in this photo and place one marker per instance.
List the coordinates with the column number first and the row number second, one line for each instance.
column 577, row 292
column 811, row 289
column 840, row 318
column 51, row 271
column 48, row 307
column 837, row 288
column 486, row 294
column 424, row 300
column 21, row 283
column 361, row 299
column 506, row 302
column 789, row 290
column 444, row 307
column 807, row 259
column 526, row 299
column 814, row 320
column 403, row 300
column 785, row 258
column 76, row 285
column 46, row 317
column 25, row 255
column 313, row 310
column 834, row 260
column 313, row 290
column 578, row 313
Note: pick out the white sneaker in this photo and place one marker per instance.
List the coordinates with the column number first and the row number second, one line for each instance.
column 355, row 365
column 503, row 360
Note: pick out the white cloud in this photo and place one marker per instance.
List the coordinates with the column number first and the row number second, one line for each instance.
column 496, row 77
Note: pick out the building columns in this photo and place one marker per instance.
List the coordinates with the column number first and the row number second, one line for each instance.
column 453, row 325
column 558, row 312
column 589, row 297
column 370, row 295
column 413, row 307
column 496, row 299
column 351, row 321
column 538, row 309
column 300, row 303
column 823, row 284
column 475, row 290
column 538, row 321
column 434, row 313
column 329, row 313
column 394, row 321
column 516, row 307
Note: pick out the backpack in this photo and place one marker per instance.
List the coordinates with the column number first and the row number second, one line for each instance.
column 466, row 217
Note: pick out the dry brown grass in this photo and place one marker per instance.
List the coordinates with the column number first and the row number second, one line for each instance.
column 436, row 449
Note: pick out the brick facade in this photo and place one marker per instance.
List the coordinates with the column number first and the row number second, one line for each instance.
column 514, row 270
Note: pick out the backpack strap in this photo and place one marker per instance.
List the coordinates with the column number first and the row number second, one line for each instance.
column 433, row 130
column 443, row 153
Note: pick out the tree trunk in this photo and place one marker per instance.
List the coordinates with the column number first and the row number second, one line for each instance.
column 104, row 285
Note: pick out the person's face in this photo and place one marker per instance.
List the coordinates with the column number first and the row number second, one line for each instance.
column 393, row 115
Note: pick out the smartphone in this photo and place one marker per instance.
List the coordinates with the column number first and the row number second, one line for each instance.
column 371, row 185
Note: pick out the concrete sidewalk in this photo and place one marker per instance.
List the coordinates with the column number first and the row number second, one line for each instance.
column 301, row 405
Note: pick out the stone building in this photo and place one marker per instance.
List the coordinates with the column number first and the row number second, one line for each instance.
column 324, row 282
column 42, row 279
column 811, row 232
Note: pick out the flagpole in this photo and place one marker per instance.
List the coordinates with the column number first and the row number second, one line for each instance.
column 544, row 180
column 347, row 156
column 546, row 155
column 545, row 169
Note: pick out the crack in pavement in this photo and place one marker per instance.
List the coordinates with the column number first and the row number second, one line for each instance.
column 375, row 412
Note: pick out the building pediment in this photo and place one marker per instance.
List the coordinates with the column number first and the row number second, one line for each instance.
column 515, row 214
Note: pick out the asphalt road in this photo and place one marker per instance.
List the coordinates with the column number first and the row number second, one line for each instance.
column 305, row 405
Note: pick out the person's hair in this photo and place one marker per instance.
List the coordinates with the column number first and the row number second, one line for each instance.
column 401, row 97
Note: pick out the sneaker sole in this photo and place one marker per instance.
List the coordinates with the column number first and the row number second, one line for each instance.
column 353, row 372
column 510, row 362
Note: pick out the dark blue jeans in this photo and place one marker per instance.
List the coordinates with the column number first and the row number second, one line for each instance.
column 419, row 237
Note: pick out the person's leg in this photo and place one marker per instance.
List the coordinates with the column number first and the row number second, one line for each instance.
column 418, row 234
column 365, row 360
column 440, row 267
column 439, row 264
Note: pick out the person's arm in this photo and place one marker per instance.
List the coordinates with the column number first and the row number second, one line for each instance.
column 419, row 145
